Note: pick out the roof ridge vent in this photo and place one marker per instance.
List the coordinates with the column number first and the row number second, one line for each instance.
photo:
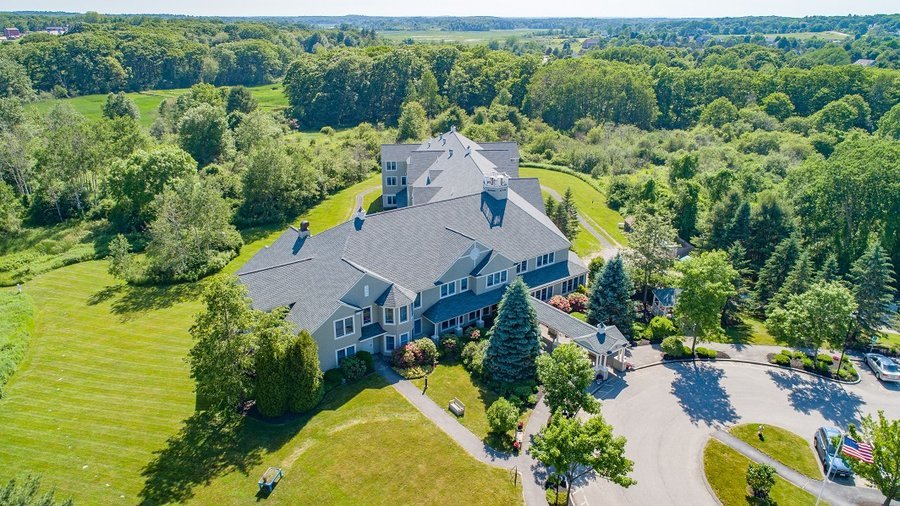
column 441, row 136
column 451, row 153
column 443, row 142
column 452, row 128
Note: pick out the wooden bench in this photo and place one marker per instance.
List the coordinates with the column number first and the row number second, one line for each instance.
column 457, row 407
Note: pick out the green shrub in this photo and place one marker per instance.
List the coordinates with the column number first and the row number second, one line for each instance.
column 824, row 357
column 787, row 353
column 799, row 355
column 353, row 368
column 367, row 359
column 673, row 346
column 554, row 499
column 781, row 359
column 823, row 367
column 334, row 377
column 473, row 357
column 531, row 400
column 705, row 352
column 450, row 348
column 760, row 478
column 502, row 416
column 660, row 328
column 808, row 363
column 428, row 349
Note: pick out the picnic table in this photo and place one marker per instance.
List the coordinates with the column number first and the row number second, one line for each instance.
column 270, row 478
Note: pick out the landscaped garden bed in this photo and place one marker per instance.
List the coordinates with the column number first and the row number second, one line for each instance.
column 673, row 348
column 821, row 364
column 782, row 445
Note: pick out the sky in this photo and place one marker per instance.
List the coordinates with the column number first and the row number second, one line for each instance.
column 514, row 8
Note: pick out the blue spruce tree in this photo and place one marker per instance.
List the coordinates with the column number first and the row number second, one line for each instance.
column 609, row 302
column 515, row 338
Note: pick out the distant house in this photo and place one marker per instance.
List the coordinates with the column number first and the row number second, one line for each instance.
column 12, row 33
column 56, row 30
column 664, row 300
column 864, row 62
column 590, row 43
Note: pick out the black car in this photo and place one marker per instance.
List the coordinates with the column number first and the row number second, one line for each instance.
column 825, row 448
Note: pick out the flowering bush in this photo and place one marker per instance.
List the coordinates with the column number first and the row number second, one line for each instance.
column 427, row 351
column 561, row 303
column 450, row 347
column 404, row 357
column 578, row 302
column 472, row 333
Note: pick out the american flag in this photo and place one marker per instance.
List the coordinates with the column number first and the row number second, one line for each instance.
column 859, row 451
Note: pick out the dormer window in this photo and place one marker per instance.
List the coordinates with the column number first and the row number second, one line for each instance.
column 546, row 259
column 391, row 166
column 497, row 278
column 448, row 289
column 522, row 267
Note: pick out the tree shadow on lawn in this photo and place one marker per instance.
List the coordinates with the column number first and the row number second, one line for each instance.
column 128, row 300
column 210, row 445
column 698, row 388
column 807, row 394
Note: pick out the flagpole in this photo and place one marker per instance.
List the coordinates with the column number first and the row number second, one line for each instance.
column 837, row 450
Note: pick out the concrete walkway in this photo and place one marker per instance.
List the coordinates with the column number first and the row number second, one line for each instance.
column 531, row 471
column 833, row 493
column 360, row 197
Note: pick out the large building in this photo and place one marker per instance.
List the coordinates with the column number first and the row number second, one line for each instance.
column 462, row 228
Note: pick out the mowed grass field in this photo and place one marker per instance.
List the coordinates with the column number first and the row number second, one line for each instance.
column 591, row 203
column 463, row 37
column 269, row 97
column 102, row 407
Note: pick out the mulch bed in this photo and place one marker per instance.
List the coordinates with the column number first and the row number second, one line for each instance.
column 797, row 363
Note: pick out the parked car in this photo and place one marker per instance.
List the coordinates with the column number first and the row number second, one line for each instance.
column 884, row 368
column 824, row 444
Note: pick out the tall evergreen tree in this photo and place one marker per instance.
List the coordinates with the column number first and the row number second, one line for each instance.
column 829, row 269
column 515, row 337
column 566, row 215
column 797, row 281
column 774, row 272
column 610, row 297
column 304, row 375
column 272, row 338
column 873, row 289
column 550, row 207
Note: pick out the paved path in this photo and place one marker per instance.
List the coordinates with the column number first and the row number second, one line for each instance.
column 532, row 473
column 610, row 247
column 831, row 492
column 360, row 196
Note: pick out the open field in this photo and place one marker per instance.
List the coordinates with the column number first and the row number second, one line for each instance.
column 591, row 203
column 752, row 331
column 782, row 445
column 339, row 207
column 464, row 37
column 102, row 406
column 585, row 244
column 726, row 470
column 269, row 96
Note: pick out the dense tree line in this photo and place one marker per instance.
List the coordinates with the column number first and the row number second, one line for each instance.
column 140, row 53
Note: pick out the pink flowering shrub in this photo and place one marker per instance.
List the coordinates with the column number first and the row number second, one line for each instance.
column 561, row 303
column 578, row 302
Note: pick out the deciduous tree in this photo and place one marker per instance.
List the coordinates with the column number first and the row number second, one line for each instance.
column 821, row 315
column 566, row 375
column 707, row 280
column 884, row 471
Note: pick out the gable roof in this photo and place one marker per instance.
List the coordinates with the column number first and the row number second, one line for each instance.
column 667, row 296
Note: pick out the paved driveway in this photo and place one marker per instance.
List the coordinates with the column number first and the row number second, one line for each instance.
column 668, row 412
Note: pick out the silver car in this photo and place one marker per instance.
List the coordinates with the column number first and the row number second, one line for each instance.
column 884, row 368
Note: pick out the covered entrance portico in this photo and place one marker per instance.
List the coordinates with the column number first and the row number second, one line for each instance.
column 605, row 345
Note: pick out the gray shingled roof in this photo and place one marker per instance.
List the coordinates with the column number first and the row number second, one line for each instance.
column 667, row 296
column 370, row 331
column 530, row 189
column 603, row 342
column 596, row 340
column 395, row 296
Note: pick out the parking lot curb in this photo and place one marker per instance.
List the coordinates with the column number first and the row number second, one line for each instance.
column 752, row 362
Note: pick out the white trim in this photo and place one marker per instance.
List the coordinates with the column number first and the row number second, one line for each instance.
column 362, row 319
column 400, row 340
column 502, row 278
column 393, row 343
column 449, row 293
column 400, row 314
column 384, row 313
column 343, row 321
column 336, row 352
column 388, row 179
column 550, row 259
column 390, row 166
column 417, row 302
column 403, row 180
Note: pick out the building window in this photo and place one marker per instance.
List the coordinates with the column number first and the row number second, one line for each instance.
column 388, row 342
column 545, row 259
column 418, row 302
column 367, row 315
column 448, row 289
column 404, row 314
column 569, row 285
column 392, row 166
column 390, row 200
column 389, row 316
column 404, row 338
column 543, row 294
column 473, row 315
column 343, row 327
column 366, row 291
column 391, row 181
column 402, row 180
column 522, row 267
column 343, row 353
column 463, row 284
column 417, row 327
column 496, row 278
